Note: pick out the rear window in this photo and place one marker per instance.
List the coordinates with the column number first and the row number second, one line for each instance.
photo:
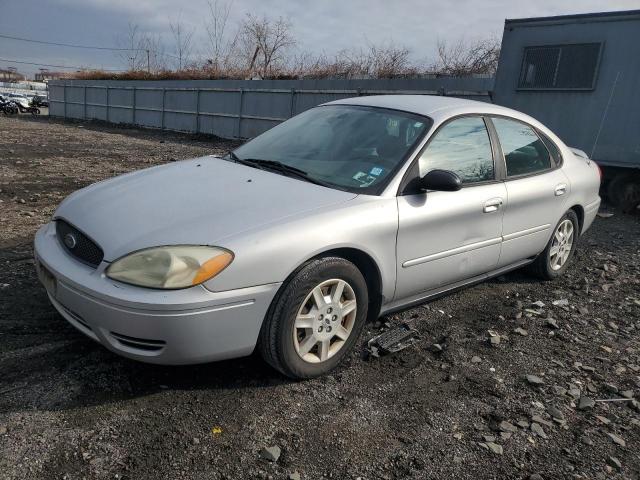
column 556, row 156
column 524, row 152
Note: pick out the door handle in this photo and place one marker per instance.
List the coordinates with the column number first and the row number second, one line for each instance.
column 561, row 189
column 492, row 205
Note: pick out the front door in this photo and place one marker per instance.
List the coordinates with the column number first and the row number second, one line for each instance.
column 445, row 237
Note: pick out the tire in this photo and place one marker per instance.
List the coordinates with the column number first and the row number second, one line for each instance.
column 628, row 193
column 294, row 320
column 613, row 190
column 545, row 265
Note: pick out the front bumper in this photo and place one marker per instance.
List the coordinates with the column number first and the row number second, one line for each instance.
column 192, row 325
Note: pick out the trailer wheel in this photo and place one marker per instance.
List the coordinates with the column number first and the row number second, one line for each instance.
column 624, row 191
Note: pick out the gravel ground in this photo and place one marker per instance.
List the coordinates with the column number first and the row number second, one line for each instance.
column 454, row 405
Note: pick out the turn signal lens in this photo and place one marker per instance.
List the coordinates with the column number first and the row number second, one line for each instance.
column 212, row 267
column 170, row 267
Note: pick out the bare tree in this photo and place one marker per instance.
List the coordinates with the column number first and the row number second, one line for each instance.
column 265, row 43
column 389, row 60
column 133, row 56
column 467, row 58
column 306, row 64
column 182, row 37
column 144, row 51
column 384, row 60
column 153, row 48
column 222, row 46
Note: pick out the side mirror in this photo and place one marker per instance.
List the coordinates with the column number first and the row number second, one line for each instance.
column 441, row 180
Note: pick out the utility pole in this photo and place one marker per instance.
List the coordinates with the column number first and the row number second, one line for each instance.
column 148, row 62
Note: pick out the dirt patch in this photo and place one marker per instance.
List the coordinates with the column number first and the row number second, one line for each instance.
column 71, row 409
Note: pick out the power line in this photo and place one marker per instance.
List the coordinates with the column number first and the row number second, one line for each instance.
column 89, row 47
column 56, row 66
column 67, row 44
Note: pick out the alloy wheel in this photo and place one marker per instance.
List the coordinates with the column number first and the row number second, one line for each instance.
column 562, row 244
column 324, row 320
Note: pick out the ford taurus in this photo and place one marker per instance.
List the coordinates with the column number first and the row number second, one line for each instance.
column 289, row 243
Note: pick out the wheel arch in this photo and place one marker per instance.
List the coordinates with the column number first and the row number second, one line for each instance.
column 364, row 262
column 579, row 211
column 370, row 271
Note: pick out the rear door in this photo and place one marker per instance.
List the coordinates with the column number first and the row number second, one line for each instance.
column 444, row 237
column 537, row 190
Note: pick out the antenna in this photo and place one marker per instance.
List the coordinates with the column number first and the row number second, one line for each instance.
column 604, row 114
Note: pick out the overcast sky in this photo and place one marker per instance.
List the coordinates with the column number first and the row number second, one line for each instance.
column 319, row 25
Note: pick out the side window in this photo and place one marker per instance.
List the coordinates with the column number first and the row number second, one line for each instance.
column 461, row 146
column 524, row 152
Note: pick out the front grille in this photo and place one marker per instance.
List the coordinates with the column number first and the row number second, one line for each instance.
column 139, row 343
column 78, row 244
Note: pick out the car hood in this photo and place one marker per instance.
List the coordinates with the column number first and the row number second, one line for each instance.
column 200, row 201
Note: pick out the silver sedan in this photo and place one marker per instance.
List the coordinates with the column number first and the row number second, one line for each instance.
column 346, row 212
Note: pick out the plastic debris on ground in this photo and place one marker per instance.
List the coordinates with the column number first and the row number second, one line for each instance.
column 393, row 340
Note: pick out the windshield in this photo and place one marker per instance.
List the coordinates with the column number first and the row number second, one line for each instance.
column 350, row 147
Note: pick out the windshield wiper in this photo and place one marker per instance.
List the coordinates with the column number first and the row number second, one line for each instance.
column 231, row 154
column 252, row 162
column 274, row 165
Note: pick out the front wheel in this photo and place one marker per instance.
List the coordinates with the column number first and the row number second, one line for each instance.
column 554, row 260
column 315, row 319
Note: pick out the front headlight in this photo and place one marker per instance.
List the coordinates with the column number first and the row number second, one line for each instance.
column 170, row 267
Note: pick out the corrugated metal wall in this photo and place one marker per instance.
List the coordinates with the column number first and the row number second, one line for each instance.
column 603, row 121
column 230, row 108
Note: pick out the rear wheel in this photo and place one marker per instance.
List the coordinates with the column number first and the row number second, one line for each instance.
column 316, row 318
column 555, row 258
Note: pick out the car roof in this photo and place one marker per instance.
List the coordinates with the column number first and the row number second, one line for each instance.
column 435, row 106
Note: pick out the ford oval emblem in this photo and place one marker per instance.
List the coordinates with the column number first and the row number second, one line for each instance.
column 70, row 241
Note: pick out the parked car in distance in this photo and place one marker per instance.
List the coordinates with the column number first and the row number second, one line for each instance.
column 19, row 99
column 348, row 211
column 40, row 101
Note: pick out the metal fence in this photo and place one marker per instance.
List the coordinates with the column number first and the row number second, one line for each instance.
column 227, row 108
